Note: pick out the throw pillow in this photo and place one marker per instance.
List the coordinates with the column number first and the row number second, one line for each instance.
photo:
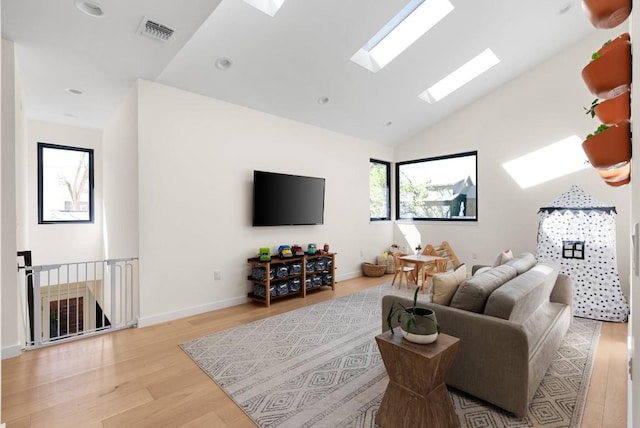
column 473, row 293
column 446, row 284
column 503, row 257
column 523, row 262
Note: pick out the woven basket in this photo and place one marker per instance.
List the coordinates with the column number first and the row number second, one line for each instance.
column 388, row 260
column 369, row 269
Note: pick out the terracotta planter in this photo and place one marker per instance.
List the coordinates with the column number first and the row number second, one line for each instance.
column 610, row 147
column 619, row 183
column 618, row 41
column 617, row 175
column 614, row 110
column 606, row 13
column 609, row 75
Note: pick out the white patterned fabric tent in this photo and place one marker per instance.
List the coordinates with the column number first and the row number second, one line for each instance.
column 578, row 232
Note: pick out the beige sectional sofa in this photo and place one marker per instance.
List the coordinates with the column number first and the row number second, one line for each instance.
column 511, row 320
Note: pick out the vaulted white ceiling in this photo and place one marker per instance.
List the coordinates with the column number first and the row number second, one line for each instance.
column 280, row 65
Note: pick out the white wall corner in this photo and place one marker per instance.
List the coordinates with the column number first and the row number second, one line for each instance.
column 11, row 351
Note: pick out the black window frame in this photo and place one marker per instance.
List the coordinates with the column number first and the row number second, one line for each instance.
column 387, row 166
column 41, row 184
column 398, row 181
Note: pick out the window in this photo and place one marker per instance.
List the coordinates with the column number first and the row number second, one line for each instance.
column 461, row 76
column 408, row 25
column 439, row 188
column 573, row 250
column 379, row 190
column 65, row 184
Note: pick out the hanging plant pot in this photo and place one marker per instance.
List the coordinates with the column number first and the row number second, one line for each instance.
column 617, row 175
column 619, row 183
column 609, row 75
column 606, row 13
column 621, row 40
column 614, row 110
column 611, row 146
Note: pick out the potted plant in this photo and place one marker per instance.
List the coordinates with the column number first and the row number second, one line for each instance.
column 418, row 325
column 606, row 13
column 609, row 72
column 621, row 40
column 613, row 110
column 609, row 145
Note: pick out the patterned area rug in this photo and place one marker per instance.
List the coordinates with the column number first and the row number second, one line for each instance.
column 319, row 366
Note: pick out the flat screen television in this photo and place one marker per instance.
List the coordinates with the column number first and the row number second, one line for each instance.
column 287, row 200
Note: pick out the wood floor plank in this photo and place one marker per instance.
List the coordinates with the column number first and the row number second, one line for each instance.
column 615, row 405
column 140, row 377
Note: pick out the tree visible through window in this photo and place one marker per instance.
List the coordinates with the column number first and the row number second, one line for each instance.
column 379, row 194
column 439, row 188
column 65, row 184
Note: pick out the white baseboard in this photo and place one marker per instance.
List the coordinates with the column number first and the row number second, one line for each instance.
column 195, row 310
column 187, row 312
column 11, row 352
column 349, row 275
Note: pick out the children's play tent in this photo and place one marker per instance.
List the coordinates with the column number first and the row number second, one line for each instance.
column 578, row 233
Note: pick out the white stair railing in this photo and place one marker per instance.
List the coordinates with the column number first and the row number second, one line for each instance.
column 76, row 300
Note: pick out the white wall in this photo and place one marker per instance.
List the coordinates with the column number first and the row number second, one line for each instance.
column 120, row 180
column 540, row 107
column 10, row 305
column 196, row 162
column 62, row 243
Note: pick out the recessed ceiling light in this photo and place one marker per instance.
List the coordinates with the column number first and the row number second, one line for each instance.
column 223, row 63
column 407, row 26
column 461, row 76
column 90, row 8
column 74, row 91
column 323, row 100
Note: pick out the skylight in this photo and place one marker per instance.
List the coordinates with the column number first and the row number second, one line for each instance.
column 413, row 21
column 270, row 7
column 463, row 75
column 553, row 161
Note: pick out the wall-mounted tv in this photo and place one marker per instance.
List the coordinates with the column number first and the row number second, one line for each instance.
column 287, row 200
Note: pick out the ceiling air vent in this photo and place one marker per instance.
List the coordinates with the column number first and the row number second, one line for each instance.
column 155, row 30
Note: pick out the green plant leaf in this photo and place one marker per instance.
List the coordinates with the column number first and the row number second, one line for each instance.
column 595, row 56
column 592, row 110
column 600, row 129
column 415, row 297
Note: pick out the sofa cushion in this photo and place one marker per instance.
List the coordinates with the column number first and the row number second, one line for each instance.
column 523, row 262
column 473, row 293
column 482, row 270
column 445, row 284
column 523, row 295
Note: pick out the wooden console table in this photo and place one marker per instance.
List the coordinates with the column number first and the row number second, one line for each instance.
column 416, row 395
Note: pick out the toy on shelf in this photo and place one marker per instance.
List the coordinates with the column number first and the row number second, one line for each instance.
column 326, row 247
column 297, row 250
column 265, row 254
column 285, row 251
column 311, row 249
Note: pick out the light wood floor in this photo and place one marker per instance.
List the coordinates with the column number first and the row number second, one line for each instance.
column 141, row 378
